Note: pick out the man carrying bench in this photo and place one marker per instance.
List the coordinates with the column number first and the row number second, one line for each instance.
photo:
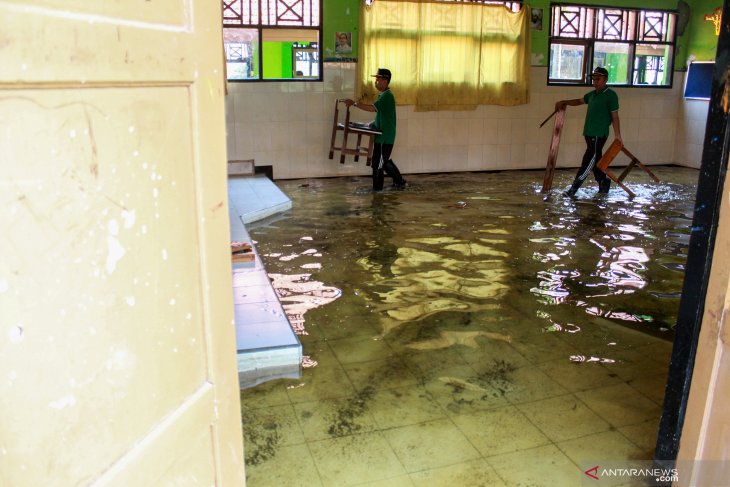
column 602, row 112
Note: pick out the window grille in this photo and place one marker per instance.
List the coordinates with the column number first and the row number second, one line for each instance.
column 636, row 46
column 251, row 28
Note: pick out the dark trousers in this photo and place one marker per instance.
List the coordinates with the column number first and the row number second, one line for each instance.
column 593, row 154
column 382, row 164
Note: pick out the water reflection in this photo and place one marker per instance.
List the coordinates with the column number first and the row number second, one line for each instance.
column 598, row 227
column 507, row 300
column 299, row 292
column 436, row 273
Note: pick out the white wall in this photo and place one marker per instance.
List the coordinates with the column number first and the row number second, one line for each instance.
column 690, row 130
column 289, row 125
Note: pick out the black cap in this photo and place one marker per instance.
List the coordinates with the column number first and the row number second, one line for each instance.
column 383, row 73
column 600, row 72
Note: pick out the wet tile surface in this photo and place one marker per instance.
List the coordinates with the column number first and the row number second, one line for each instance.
column 498, row 347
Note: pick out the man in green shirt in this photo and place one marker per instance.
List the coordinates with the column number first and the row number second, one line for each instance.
column 602, row 113
column 384, row 108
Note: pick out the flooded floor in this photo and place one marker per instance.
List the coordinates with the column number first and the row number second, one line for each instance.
column 467, row 332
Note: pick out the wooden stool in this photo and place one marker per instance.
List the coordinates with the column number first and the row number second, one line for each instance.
column 347, row 128
column 611, row 154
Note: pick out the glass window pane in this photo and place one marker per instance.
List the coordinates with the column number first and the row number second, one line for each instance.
column 242, row 57
column 615, row 58
column 306, row 60
column 281, row 53
column 566, row 61
column 652, row 64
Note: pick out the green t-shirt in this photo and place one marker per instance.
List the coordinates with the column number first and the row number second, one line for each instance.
column 600, row 107
column 385, row 117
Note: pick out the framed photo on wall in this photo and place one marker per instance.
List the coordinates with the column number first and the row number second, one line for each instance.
column 343, row 42
column 536, row 19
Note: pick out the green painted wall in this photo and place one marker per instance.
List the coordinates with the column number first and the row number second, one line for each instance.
column 700, row 34
column 278, row 56
column 340, row 16
column 698, row 40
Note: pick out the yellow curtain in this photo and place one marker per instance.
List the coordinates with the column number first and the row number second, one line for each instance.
column 446, row 55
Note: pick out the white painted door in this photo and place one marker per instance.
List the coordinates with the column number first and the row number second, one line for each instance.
column 117, row 348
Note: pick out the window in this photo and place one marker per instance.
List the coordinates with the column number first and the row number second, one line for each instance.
column 272, row 39
column 636, row 46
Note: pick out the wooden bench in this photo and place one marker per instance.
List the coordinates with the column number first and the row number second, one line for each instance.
column 347, row 127
column 613, row 150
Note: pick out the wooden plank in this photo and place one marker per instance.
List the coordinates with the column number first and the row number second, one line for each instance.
column 547, row 182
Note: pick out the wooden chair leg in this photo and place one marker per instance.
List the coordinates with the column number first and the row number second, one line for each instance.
column 334, row 129
column 371, row 146
column 618, row 181
column 344, row 144
column 627, row 170
column 637, row 162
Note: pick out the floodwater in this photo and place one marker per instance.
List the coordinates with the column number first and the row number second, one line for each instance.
column 468, row 331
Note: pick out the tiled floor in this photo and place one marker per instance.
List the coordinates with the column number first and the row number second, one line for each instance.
column 424, row 426
column 481, row 413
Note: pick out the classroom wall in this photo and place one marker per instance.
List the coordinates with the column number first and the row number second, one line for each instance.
column 700, row 34
column 288, row 125
column 344, row 15
column 701, row 43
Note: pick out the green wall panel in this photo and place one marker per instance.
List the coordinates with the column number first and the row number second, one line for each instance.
column 340, row 16
column 700, row 34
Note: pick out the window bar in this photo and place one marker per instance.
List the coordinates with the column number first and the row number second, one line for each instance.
column 260, row 40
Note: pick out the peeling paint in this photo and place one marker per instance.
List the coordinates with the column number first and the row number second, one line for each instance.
column 120, row 359
column 129, row 300
column 15, row 333
column 129, row 217
column 4, row 286
column 115, row 249
column 63, row 402
column 164, row 254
